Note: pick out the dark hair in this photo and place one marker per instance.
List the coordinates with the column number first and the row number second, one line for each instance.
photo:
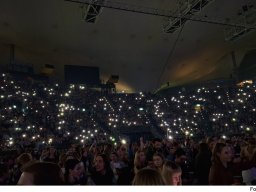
column 203, row 148
column 157, row 140
column 159, row 154
column 105, row 160
column 44, row 173
column 3, row 169
column 69, row 164
column 114, row 153
column 179, row 152
column 24, row 158
column 217, row 149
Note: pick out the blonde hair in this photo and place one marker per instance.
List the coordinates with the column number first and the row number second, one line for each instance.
column 169, row 169
column 148, row 176
column 137, row 162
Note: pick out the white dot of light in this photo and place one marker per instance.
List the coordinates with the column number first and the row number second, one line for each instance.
column 123, row 141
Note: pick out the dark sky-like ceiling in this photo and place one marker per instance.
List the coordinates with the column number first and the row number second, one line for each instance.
column 128, row 44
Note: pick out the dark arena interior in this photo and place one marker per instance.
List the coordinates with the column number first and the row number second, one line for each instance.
column 138, row 92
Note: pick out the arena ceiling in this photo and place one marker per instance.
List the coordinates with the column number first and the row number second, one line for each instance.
column 129, row 44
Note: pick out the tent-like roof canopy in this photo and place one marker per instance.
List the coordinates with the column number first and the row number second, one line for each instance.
column 126, row 43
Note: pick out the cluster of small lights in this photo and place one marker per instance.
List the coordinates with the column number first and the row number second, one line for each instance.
column 31, row 105
column 179, row 114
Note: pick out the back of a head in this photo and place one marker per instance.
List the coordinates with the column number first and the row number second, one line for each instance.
column 180, row 152
column 24, row 158
column 70, row 164
column 44, row 173
column 169, row 169
column 203, row 148
column 148, row 176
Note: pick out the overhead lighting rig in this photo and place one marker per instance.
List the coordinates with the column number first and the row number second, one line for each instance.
column 191, row 7
column 186, row 10
column 92, row 10
column 246, row 17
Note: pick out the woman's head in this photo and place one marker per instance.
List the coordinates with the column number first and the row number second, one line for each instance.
column 148, row 176
column 222, row 153
column 211, row 141
column 158, row 160
column 122, row 152
column 249, row 150
column 41, row 173
column 172, row 173
column 101, row 163
column 140, row 157
column 74, row 168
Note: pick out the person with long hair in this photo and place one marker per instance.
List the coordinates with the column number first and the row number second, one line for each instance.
column 171, row 173
column 223, row 167
column 74, row 172
column 102, row 173
column 140, row 160
column 249, row 153
column 148, row 176
column 202, row 164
